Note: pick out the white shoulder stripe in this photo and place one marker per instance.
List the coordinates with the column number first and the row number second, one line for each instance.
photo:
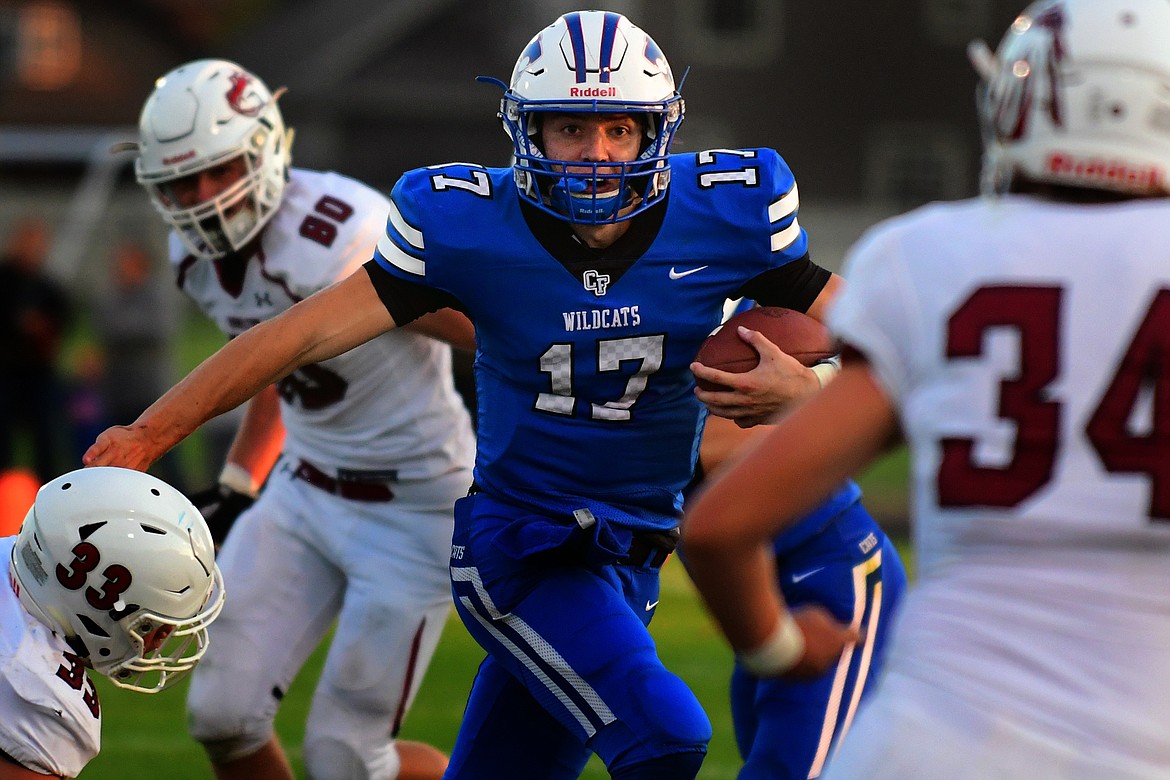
column 785, row 206
column 413, row 237
column 784, row 238
column 390, row 251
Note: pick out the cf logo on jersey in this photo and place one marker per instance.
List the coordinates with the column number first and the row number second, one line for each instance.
column 595, row 283
column 262, row 299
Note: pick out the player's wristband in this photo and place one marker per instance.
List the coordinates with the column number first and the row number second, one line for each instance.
column 236, row 477
column 827, row 369
column 779, row 652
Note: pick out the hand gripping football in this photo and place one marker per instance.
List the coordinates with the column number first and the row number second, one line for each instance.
column 798, row 334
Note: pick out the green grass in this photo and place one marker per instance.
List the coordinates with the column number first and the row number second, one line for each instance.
column 142, row 733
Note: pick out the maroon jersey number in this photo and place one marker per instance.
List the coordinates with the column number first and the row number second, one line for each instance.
column 320, row 228
column 1145, row 369
column 1034, row 313
column 78, row 680
column 314, row 386
column 1142, row 380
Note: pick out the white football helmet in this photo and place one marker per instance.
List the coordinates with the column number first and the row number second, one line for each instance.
column 201, row 115
column 587, row 62
column 105, row 557
column 1078, row 94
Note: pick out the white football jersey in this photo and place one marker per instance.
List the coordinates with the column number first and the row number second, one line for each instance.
column 1025, row 343
column 50, row 718
column 389, row 404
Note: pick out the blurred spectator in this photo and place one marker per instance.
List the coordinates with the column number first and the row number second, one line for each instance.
column 135, row 323
column 85, row 402
column 35, row 312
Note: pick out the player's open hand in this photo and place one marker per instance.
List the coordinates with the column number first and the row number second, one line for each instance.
column 824, row 640
column 756, row 396
column 127, row 446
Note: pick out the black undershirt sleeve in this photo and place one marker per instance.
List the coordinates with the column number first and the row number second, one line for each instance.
column 407, row 301
column 792, row 286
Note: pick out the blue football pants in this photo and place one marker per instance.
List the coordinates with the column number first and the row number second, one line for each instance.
column 571, row 667
column 789, row 729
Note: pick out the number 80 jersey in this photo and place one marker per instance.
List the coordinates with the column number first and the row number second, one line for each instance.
column 584, row 387
column 389, row 404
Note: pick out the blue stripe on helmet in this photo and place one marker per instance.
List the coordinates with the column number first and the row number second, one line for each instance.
column 533, row 51
column 608, row 33
column 653, row 53
column 577, row 41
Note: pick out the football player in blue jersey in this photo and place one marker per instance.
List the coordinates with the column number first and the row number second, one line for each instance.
column 836, row 556
column 593, row 268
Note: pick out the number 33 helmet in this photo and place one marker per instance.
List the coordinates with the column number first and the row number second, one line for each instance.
column 1078, row 94
column 122, row 565
column 592, row 62
column 205, row 114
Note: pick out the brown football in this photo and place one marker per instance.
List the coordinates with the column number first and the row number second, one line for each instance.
column 796, row 333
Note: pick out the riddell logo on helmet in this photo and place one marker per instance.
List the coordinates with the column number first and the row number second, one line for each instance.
column 178, row 158
column 592, row 91
column 1115, row 172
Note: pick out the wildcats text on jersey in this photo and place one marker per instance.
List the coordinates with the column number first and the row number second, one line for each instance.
column 600, row 319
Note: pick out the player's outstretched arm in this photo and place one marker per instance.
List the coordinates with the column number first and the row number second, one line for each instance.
column 322, row 326
column 446, row 325
column 728, row 530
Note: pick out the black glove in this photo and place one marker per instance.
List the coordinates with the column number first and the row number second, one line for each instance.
column 220, row 506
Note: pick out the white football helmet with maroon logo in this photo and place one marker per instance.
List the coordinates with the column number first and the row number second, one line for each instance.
column 1078, row 94
column 201, row 115
column 592, row 62
column 121, row 565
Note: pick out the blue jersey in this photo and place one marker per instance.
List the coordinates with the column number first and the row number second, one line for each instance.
column 584, row 388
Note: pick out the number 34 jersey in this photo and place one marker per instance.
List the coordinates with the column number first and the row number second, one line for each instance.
column 584, row 387
column 389, row 404
column 1026, row 344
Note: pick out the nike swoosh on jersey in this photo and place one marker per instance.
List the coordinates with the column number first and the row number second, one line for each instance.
column 805, row 574
column 651, row 605
column 680, row 274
